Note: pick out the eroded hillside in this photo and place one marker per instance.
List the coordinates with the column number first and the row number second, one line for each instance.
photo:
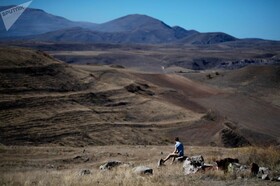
column 45, row 101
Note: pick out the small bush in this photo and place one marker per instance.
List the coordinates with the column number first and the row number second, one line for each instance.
column 209, row 76
column 210, row 116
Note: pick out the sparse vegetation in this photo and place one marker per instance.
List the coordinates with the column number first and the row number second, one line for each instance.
column 210, row 115
column 263, row 156
column 141, row 155
column 209, row 76
column 61, row 108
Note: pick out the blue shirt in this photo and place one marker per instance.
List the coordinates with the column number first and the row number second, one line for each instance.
column 180, row 148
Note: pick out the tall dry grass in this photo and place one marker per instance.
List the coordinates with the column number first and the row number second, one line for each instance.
column 164, row 176
column 263, row 156
column 169, row 175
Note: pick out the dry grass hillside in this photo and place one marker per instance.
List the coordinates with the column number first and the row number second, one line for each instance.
column 252, row 99
column 28, row 165
column 59, row 119
column 45, row 101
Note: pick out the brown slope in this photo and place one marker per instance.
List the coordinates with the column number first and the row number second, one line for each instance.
column 254, row 105
column 44, row 101
column 184, row 92
column 181, row 90
column 24, row 70
column 257, row 120
column 189, row 87
column 116, row 106
column 254, row 120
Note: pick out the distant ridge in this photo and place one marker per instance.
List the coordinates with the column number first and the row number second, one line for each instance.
column 134, row 28
column 37, row 21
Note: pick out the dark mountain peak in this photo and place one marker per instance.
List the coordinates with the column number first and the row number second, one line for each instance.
column 133, row 28
column 132, row 22
column 208, row 38
column 221, row 37
column 178, row 28
column 134, row 17
column 38, row 22
column 180, row 32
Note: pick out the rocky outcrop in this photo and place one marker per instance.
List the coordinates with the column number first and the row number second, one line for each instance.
column 231, row 138
column 143, row 170
column 193, row 164
column 110, row 164
column 85, row 172
column 139, row 89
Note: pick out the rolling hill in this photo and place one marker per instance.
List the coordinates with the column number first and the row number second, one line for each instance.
column 133, row 29
column 208, row 38
column 45, row 101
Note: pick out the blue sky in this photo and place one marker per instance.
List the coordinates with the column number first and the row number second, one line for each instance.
column 240, row 18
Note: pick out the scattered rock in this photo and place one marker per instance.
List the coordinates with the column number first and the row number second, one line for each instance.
column 197, row 160
column 263, row 173
column 230, row 168
column 237, row 168
column 265, row 177
column 189, row 168
column 85, row 172
column 243, row 167
column 81, row 158
column 275, row 179
column 193, row 164
column 143, row 170
column 263, row 170
column 50, row 166
column 181, row 159
column 140, row 89
column 109, row 165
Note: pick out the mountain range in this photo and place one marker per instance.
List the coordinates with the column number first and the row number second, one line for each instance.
column 38, row 25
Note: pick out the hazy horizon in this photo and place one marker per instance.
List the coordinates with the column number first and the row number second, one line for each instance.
column 239, row 18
